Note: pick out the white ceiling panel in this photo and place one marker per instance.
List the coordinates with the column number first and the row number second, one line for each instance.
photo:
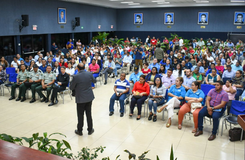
column 158, row 3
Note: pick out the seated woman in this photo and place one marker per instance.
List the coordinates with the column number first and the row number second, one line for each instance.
column 231, row 91
column 219, row 67
column 63, row 63
column 157, row 95
column 178, row 72
column 140, row 93
column 162, row 70
column 238, row 82
column 197, row 75
column 193, row 95
column 146, row 70
column 176, row 95
column 212, row 77
column 95, row 69
column 150, row 78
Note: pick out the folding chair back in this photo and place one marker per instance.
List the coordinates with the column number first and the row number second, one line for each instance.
column 10, row 70
column 237, row 107
column 206, row 88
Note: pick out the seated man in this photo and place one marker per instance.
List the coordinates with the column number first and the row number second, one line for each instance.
column 3, row 75
column 43, row 66
column 168, row 80
column 109, row 67
column 47, row 82
column 121, row 89
column 21, row 79
column 134, row 77
column 216, row 101
column 229, row 73
column 201, row 69
column 188, row 79
column 60, row 85
column 127, row 60
column 154, row 64
column 118, row 63
column 34, row 80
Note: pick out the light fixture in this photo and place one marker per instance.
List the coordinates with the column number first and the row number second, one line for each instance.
column 134, row 4
column 237, row 1
column 127, row 2
column 198, row 1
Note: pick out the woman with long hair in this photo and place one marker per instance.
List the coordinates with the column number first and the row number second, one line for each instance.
column 178, row 72
column 4, row 63
column 150, row 78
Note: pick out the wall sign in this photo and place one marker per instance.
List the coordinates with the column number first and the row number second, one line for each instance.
column 203, row 27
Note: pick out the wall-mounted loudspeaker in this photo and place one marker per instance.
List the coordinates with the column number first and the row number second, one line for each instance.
column 77, row 21
column 25, row 20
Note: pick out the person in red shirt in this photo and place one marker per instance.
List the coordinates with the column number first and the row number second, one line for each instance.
column 140, row 92
column 146, row 70
column 62, row 63
column 192, row 51
column 153, row 41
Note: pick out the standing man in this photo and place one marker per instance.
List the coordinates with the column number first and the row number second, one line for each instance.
column 54, row 48
column 60, row 85
column 47, row 83
column 159, row 53
column 81, row 84
column 21, row 79
column 138, row 56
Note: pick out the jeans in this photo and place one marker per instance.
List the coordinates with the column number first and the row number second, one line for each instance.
column 95, row 76
column 216, row 116
column 238, row 93
column 152, row 103
column 121, row 101
column 116, row 68
column 1, row 82
column 106, row 72
column 139, row 103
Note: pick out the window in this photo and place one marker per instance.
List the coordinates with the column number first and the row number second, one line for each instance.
column 83, row 37
column 60, row 39
column 32, row 43
column 7, row 46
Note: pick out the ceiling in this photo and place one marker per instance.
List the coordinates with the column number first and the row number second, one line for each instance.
column 158, row 3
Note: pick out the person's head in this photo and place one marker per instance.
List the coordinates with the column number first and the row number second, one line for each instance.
column 63, row 69
column 169, row 18
column 203, row 17
column 23, row 67
column 110, row 59
column 238, row 73
column 169, row 72
column 93, row 61
column 195, row 86
column 80, row 67
column 48, row 69
column 238, row 63
column 1, row 68
column 142, row 79
column 239, row 18
column 69, row 65
column 136, row 69
column 70, row 40
column 61, row 60
column 154, row 61
column 175, row 60
column 138, row 18
column 62, row 14
column 154, row 70
column 188, row 72
column 218, row 85
column 22, row 62
column 162, row 67
column 228, row 67
column 196, row 70
column 43, row 62
column 39, row 59
column 212, row 66
column 158, row 82
column 122, row 76
column 179, row 81
column 213, row 72
column 167, row 61
column 146, row 65
column 2, row 59
column 228, row 83
column 178, row 66
column 183, row 63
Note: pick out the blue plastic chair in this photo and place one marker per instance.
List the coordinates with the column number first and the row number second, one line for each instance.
column 10, row 70
column 237, row 108
column 206, row 88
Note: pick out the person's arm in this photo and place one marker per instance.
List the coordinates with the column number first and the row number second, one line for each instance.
column 206, row 80
column 97, row 71
column 115, row 90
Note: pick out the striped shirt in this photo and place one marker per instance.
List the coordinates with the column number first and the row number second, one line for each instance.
column 216, row 97
column 122, row 85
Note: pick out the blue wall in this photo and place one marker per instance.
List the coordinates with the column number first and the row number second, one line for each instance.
column 43, row 13
column 220, row 19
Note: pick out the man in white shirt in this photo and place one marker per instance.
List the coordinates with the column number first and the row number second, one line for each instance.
column 181, row 41
column 201, row 42
column 210, row 58
column 37, row 56
column 15, row 63
column 127, row 60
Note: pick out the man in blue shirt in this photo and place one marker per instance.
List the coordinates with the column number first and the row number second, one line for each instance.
column 237, row 66
column 134, row 77
column 138, row 56
column 154, row 64
column 69, row 44
column 188, row 65
column 171, row 45
column 121, row 89
column 43, row 66
column 201, row 69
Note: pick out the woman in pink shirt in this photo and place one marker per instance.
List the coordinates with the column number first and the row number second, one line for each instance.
column 231, row 91
column 219, row 67
column 165, row 41
column 95, row 69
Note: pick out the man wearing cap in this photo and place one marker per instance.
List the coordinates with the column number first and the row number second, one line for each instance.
column 134, row 77
column 46, row 84
column 21, row 79
column 33, row 80
column 109, row 67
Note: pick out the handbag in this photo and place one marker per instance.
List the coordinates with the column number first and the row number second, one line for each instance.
column 194, row 106
column 235, row 134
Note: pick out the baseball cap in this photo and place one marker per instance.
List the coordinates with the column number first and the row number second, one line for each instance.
column 35, row 66
column 136, row 68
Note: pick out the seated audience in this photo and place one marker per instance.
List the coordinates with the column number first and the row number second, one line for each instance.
column 60, row 85
column 56, row 68
column 215, row 101
column 219, row 67
column 4, row 63
column 157, row 97
column 212, row 78
column 39, row 62
column 70, row 70
column 15, row 63
column 228, row 73
column 178, row 72
column 118, row 63
column 127, row 60
column 43, row 66
column 140, row 93
column 176, row 95
column 3, row 75
column 162, row 70
column 231, row 91
column 238, row 82
column 94, row 69
column 109, row 66
column 150, row 78
column 197, row 75
column 134, row 77
column 237, row 66
column 63, row 63
column 168, row 80
column 145, row 70
column 194, row 102
column 121, row 89
column 154, row 64
column 188, row 79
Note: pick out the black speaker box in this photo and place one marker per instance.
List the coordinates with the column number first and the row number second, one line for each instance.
column 25, row 20
column 77, row 19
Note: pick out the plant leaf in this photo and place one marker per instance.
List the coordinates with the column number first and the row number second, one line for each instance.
column 66, row 144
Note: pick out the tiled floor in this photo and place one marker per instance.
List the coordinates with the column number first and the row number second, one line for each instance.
column 117, row 134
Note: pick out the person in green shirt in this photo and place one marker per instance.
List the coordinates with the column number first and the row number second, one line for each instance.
column 46, row 84
column 21, row 79
column 197, row 75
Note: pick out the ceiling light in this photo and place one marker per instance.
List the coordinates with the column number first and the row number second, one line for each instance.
column 134, row 4
column 237, row 1
column 127, row 2
column 202, row 1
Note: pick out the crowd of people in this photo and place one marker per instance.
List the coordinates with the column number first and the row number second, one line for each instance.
column 175, row 73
